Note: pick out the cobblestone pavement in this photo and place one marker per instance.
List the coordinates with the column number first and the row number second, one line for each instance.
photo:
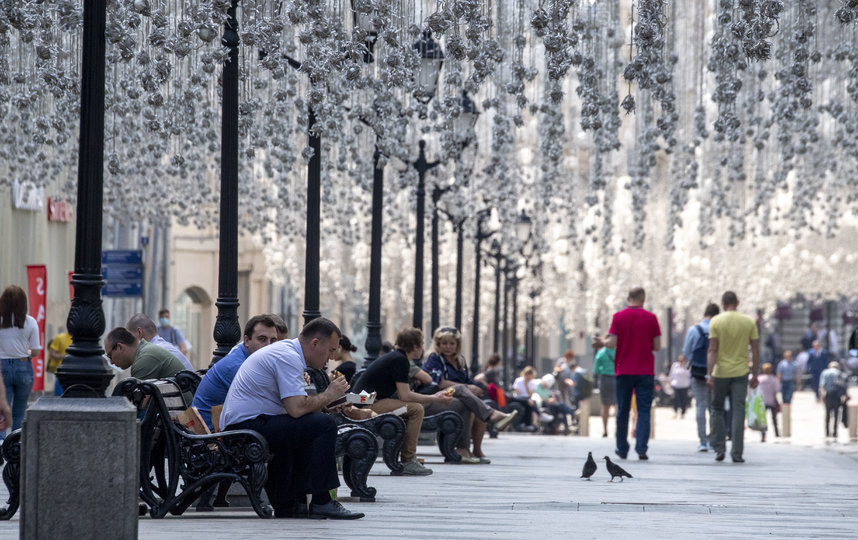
column 802, row 487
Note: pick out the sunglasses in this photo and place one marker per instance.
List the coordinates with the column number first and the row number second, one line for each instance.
column 110, row 352
column 449, row 329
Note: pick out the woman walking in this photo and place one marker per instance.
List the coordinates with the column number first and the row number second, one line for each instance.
column 19, row 339
column 680, row 381
column 603, row 368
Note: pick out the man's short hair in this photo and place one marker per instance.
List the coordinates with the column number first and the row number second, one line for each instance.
column 163, row 312
column 408, row 339
column 637, row 294
column 729, row 298
column 141, row 320
column 321, row 328
column 121, row 335
column 279, row 324
column 711, row 310
column 264, row 320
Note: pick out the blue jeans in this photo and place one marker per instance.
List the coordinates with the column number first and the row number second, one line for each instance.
column 18, row 379
column 643, row 387
column 787, row 389
column 701, row 399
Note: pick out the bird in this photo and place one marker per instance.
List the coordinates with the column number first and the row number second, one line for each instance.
column 589, row 467
column 615, row 470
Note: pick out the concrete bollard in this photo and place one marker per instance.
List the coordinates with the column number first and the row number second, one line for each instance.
column 79, row 469
column 852, row 420
column 786, row 420
column 584, row 418
column 652, row 422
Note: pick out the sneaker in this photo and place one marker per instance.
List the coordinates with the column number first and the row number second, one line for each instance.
column 415, row 468
column 546, row 418
column 469, row 460
column 703, row 448
column 709, row 447
column 643, row 457
column 719, row 456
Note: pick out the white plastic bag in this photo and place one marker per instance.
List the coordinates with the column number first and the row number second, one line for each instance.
column 755, row 410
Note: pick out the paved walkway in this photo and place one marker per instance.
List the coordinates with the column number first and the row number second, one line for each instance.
column 800, row 488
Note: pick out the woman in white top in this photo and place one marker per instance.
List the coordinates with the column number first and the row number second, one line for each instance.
column 680, row 381
column 19, row 339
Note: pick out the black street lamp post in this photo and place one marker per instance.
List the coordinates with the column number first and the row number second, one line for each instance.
column 478, row 254
column 497, row 255
column 422, row 166
column 314, row 212
column 459, row 227
column 84, row 371
column 431, row 59
column 227, row 330
column 507, row 368
column 314, row 218
column 514, row 284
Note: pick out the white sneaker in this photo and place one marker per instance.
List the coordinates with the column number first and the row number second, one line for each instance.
column 703, row 448
column 546, row 418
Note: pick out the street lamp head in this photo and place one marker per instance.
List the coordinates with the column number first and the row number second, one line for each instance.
column 431, row 59
column 363, row 23
column 523, row 227
column 467, row 120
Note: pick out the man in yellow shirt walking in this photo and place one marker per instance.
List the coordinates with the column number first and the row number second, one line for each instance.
column 730, row 335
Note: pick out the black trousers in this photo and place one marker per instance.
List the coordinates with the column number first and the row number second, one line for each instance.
column 304, row 458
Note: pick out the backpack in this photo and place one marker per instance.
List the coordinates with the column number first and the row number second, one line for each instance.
column 698, row 354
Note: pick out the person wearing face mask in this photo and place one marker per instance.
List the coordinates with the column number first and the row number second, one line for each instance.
column 171, row 333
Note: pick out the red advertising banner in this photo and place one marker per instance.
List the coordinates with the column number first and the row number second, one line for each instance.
column 37, row 281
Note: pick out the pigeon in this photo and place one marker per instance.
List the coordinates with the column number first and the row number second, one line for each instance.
column 615, row 470
column 589, row 467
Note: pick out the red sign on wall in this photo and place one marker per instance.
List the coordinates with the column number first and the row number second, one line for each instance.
column 37, row 281
column 60, row 210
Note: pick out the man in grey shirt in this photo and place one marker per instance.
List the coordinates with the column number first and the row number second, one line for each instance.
column 268, row 396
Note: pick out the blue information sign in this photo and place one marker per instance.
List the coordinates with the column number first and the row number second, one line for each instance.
column 123, row 272
column 129, row 288
column 122, row 256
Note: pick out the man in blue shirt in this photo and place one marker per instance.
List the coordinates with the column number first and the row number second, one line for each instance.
column 817, row 361
column 260, row 330
column 694, row 350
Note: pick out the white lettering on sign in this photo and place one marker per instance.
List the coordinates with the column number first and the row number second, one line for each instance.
column 60, row 210
column 40, row 286
column 27, row 196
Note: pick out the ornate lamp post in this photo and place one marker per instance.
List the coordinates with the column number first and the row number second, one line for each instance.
column 431, row 59
column 227, row 330
column 84, row 371
column 464, row 131
column 422, row 166
column 482, row 234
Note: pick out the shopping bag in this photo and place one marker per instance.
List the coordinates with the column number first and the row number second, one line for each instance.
column 755, row 410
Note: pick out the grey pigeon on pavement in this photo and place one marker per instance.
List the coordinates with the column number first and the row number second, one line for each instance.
column 615, row 470
column 589, row 467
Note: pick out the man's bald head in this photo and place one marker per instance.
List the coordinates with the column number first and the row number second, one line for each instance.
column 142, row 326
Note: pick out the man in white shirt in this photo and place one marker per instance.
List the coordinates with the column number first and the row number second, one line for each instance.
column 268, row 396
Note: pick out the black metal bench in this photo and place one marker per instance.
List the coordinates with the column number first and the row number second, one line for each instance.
column 389, row 427
column 10, row 453
column 193, row 463
column 357, row 447
column 448, row 425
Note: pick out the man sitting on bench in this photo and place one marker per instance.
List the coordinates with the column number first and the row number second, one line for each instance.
column 146, row 361
column 388, row 376
column 260, row 330
column 268, row 396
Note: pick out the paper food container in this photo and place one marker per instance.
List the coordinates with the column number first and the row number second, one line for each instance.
column 361, row 399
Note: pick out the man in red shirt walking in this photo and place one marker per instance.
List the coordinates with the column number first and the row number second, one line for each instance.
column 636, row 335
